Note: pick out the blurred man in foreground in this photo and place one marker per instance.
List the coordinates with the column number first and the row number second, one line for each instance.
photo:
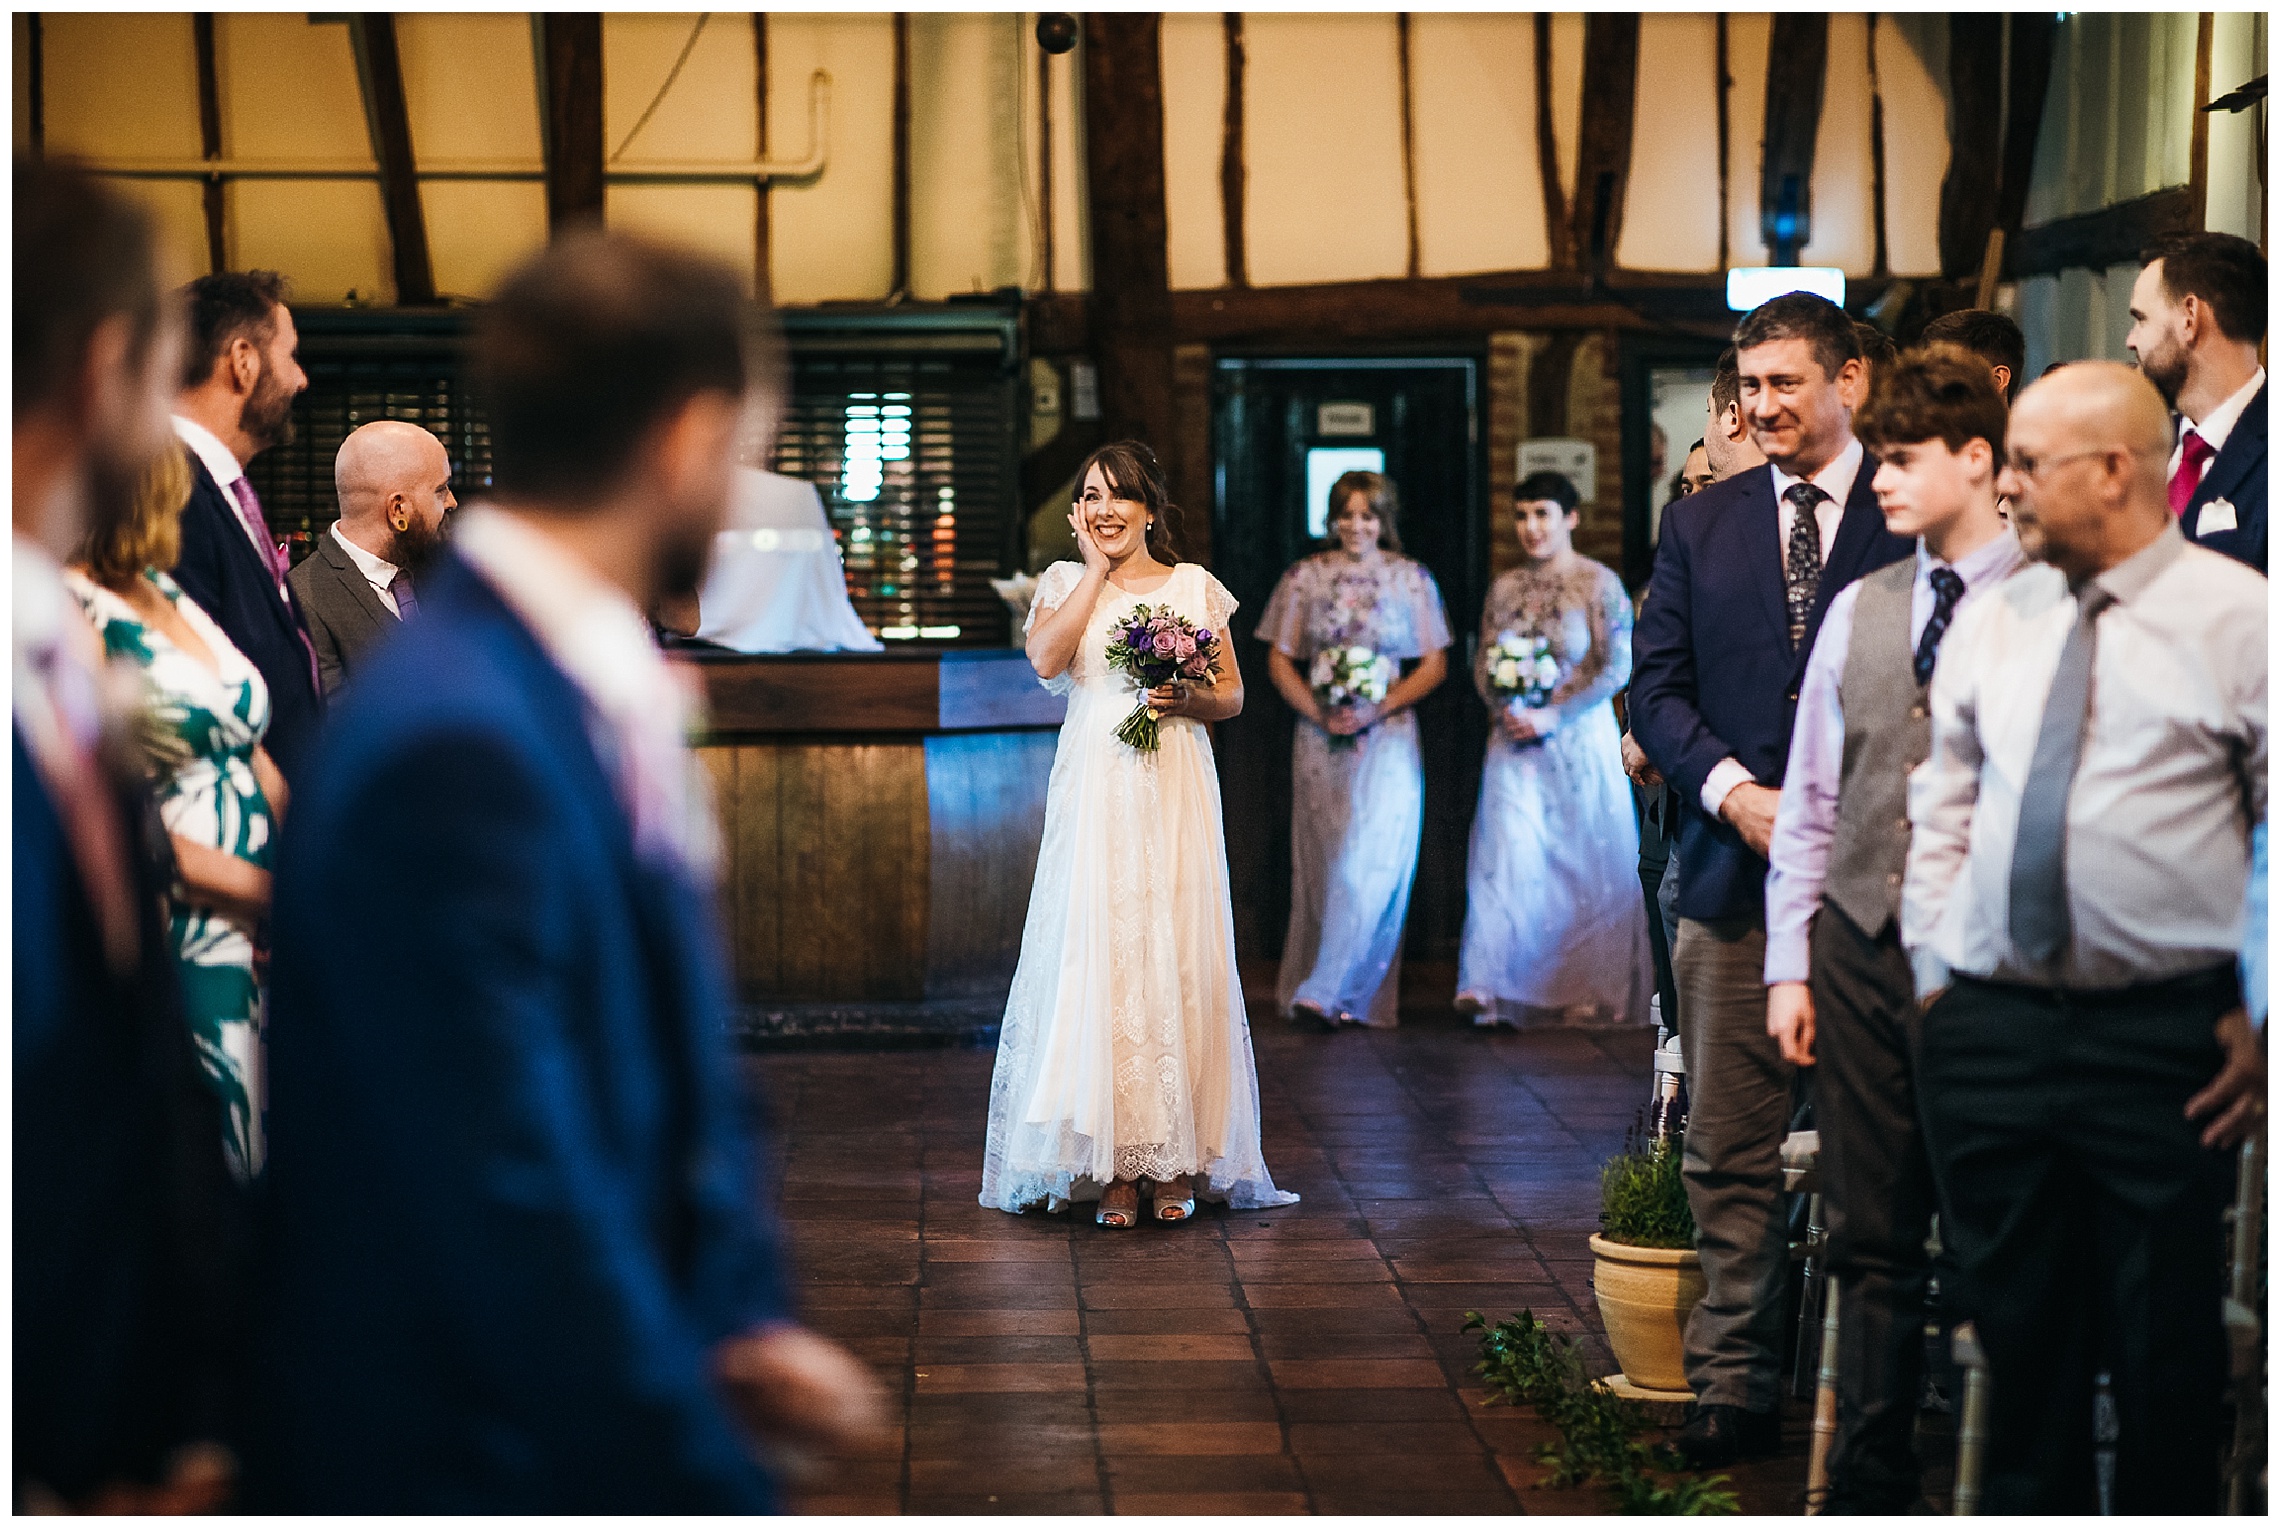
column 519, row 1264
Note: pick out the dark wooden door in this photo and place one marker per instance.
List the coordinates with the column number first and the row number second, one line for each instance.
column 1268, row 418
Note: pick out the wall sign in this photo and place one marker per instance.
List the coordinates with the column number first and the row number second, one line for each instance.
column 1345, row 419
column 1575, row 460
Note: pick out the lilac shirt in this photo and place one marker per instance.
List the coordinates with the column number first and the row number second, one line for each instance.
column 1806, row 823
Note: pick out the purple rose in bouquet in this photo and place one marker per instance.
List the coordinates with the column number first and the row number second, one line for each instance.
column 1153, row 646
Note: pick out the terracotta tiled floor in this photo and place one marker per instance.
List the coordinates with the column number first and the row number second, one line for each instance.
column 1301, row 1360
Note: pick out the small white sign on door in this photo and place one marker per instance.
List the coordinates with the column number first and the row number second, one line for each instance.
column 1345, row 419
column 1575, row 460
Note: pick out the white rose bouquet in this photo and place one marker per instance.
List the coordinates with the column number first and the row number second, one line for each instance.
column 1344, row 675
column 1522, row 671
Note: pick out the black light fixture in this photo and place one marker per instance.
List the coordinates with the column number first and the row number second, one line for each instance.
column 1056, row 31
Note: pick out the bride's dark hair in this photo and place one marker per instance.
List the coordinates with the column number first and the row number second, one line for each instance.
column 1136, row 476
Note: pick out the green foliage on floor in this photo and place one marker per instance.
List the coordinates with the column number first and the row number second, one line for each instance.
column 1527, row 1363
column 1642, row 1198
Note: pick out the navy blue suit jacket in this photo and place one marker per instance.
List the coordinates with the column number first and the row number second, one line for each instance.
column 225, row 575
column 2237, row 473
column 511, row 1202
column 1714, row 674
column 129, row 1236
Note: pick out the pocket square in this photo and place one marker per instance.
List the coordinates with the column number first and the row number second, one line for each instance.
column 2217, row 515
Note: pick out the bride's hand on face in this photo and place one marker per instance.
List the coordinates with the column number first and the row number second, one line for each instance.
column 1096, row 560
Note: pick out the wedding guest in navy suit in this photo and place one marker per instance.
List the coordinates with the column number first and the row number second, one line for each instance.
column 239, row 383
column 123, row 1215
column 517, row 1258
column 1743, row 573
column 2197, row 318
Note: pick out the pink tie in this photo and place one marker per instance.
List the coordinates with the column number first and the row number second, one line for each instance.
column 249, row 509
column 2189, row 469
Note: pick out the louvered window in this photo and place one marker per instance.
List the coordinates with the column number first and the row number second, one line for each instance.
column 914, row 458
column 904, row 421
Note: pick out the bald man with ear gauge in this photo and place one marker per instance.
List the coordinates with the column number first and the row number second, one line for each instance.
column 394, row 484
column 2072, row 908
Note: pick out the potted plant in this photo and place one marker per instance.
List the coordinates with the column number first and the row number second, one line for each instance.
column 1646, row 1272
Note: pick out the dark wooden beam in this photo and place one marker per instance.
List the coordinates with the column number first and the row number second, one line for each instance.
column 1408, row 135
column 1549, row 372
column 900, row 285
column 1970, row 195
column 1331, row 314
column 1883, row 265
column 2094, row 240
column 1233, row 178
column 380, row 75
column 1045, row 170
column 35, row 86
column 1124, row 183
column 570, row 116
column 1725, row 147
column 2034, row 41
column 1797, row 68
column 2197, row 160
column 1556, row 240
column 763, row 238
column 1603, row 167
column 210, row 135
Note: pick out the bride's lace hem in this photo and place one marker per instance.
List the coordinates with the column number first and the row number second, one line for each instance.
column 1220, row 1184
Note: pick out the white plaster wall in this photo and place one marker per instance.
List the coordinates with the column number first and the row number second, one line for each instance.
column 1670, row 215
column 1195, row 106
column 1480, row 196
column 1325, row 199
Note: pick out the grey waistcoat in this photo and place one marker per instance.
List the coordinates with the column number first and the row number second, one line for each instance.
column 1888, row 732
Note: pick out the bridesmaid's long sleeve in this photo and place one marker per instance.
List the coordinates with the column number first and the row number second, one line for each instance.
column 1606, row 667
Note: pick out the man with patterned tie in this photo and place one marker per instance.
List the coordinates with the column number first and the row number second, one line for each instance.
column 2196, row 322
column 359, row 584
column 2072, row 907
column 1840, row 997
column 1743, row 573
column 239, row 382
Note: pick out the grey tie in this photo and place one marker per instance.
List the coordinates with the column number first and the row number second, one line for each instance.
column 1801, row 562
column 2038, row 855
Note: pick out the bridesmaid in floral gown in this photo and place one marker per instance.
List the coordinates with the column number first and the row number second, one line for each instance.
column 1555, row 931
column 1357, row 778
column 201, row 709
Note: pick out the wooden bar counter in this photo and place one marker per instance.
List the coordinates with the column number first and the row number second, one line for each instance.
column 880, row 816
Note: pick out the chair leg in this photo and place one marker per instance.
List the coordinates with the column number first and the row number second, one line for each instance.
column 1810, row 1294
column 1824, row 1411
column 1971, row 1423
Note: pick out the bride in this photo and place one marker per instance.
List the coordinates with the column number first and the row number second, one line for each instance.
column 1126, row 1055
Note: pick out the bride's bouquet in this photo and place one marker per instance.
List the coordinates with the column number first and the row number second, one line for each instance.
column 1344, row 675
column 1522, row 670
column 1155, row 645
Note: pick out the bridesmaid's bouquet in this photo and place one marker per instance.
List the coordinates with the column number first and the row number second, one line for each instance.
column 1344, row 675
column 1522, row 670
column 1155, row 645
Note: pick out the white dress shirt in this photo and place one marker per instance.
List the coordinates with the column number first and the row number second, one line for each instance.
column 1835, row 480
column 642, row 707
column 2218, row 427
column 2170, row 781
column 1806, row 825
column 378, row 572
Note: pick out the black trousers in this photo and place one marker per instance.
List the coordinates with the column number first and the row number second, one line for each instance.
column 1877, row 1200
column 2088, row 1219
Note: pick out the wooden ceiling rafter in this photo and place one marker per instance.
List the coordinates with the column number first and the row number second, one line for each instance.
column 380, row 77
column 203, row 49
column 570, row 117
column 1124, row 185
column 1603, row 158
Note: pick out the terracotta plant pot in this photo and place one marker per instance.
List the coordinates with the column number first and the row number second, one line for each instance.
column 1645, row 1295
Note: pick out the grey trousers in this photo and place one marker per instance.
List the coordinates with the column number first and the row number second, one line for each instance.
column 1738, row 1089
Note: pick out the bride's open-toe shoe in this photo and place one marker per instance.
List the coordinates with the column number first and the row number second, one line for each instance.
column 1119, row 1206
column 1169, row 1208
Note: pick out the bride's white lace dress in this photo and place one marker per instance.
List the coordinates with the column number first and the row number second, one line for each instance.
column 1125, row 1051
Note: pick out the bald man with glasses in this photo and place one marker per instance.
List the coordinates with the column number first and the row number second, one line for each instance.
column 2072, row 908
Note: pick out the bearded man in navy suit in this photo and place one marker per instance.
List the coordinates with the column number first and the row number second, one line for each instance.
column 2197, row 315
column 1744, row 570
column 518, row 1263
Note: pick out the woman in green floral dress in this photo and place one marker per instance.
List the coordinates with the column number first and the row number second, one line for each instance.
column 201, row 709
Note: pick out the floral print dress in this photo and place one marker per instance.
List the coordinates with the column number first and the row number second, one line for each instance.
column 1555, row 927
column 199, row 729
column 1357, row 813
